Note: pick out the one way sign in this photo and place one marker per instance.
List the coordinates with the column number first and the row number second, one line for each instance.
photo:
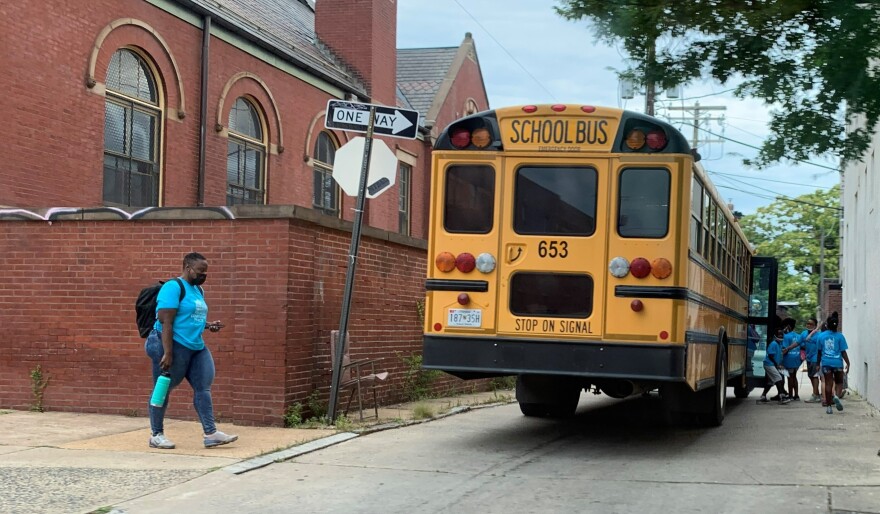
column 389, row 121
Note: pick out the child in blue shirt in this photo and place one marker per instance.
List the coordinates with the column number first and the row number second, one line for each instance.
column 791, row 351
column 772, row 365
column 832, row 355
column 811, row 347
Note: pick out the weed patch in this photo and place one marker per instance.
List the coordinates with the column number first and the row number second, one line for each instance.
column 417, row 382
column 39, row 382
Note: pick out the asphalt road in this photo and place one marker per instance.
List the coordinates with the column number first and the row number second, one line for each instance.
column 613, row 456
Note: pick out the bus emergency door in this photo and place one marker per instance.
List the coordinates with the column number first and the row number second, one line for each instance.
column 552, row 262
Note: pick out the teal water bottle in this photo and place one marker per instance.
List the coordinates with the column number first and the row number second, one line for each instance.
column 161, row 390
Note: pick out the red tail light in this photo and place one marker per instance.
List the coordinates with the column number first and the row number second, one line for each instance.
column 656, row 140
column 465, row 262
column 530, row 108
column 464, row 299
column 461, row 138
column 640, row 267
column 558, row 107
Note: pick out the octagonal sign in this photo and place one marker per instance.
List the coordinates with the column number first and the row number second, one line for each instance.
column 347, row 167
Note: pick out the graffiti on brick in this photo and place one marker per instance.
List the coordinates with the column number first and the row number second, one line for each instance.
column 74, row 213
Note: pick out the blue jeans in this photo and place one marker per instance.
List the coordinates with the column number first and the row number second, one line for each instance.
column 197, row 366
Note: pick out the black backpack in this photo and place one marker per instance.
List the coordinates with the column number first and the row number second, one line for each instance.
column 145, row 306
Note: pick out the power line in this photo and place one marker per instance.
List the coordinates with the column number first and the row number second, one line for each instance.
column 505, row 50
column 758, row 148
column 779, row 197
column 767, row 180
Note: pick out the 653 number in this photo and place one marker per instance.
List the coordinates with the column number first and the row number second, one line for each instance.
column 553, row 249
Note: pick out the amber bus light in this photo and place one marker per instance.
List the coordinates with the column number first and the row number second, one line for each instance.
column 445, row 262
column 481, row 138
column 635, row 140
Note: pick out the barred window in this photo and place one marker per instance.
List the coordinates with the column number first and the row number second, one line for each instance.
column 403, row 198
column 245, row 156
column 132, row 117
column 326, row 192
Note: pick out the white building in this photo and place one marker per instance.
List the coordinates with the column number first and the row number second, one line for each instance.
column 860, row 230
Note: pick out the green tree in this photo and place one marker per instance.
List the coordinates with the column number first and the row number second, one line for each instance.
column 792, row 230
column 811, row 61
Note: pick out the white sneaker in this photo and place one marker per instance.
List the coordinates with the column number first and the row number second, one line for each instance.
column 218, row 438
column 161, row 442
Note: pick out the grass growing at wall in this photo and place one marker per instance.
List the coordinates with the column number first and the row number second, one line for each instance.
column 417, row 382
column 39, row 382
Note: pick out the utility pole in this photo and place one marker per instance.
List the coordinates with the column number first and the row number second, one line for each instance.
column 699, row 116
column 650, row 92
column 820, row 309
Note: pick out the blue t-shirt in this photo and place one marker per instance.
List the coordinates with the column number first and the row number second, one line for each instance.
column 192, row 313
column 792, row 359
column 774, row 350
column 832, row 344
column 811, row 345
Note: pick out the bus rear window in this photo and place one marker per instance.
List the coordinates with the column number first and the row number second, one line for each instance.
column 555, row 201
column 469, row 199
column 553, row 295
column 643, row 206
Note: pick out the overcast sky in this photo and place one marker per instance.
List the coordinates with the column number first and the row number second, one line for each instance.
column 528, row 54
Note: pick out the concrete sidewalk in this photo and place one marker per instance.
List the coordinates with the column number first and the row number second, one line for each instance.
column 69, row 462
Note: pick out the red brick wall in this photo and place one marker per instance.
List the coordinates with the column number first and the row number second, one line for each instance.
column 67, row 291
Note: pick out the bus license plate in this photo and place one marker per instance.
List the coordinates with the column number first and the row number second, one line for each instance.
column 465, row 318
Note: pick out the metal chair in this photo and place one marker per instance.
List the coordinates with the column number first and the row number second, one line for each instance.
column 355, row 374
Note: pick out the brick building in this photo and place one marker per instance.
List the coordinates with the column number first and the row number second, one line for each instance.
column 139, row 130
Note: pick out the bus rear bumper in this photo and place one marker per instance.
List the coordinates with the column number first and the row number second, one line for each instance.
column 472, row 357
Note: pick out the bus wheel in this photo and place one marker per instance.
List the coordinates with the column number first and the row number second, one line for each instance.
column 536, row 410
column 741, row 392
column 718, row 392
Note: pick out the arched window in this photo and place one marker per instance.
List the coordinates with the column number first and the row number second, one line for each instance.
column 326, row 195
column 246, row 156
column 470, row 107
column 131, row 132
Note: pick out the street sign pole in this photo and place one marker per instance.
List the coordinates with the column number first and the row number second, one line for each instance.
column 352, row 264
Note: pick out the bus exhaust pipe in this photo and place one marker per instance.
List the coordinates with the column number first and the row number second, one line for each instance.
column 622, row 388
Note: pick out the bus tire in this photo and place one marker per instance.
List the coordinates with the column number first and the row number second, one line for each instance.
column 741, row 391
column 534, row 410
column 718, row 392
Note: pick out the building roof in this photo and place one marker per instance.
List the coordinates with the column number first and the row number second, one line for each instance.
column 288, row 27
column 285, row 25
column 421, row 71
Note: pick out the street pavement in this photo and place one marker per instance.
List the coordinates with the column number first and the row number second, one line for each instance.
column 60, row 462
column 612, row 457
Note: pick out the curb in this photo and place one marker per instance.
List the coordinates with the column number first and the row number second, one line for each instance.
column 279, row 456
column 318, row 444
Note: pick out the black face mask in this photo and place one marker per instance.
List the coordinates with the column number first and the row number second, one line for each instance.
column 200, row 279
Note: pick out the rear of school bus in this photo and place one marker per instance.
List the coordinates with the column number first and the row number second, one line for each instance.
column 556, row 252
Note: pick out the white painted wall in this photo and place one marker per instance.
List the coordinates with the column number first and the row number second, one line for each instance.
column 860, row 274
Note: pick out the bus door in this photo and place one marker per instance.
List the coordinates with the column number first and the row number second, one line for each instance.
column 552, row 262
column 762, row 316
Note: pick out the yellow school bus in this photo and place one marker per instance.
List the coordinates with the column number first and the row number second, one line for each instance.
column 582, row 247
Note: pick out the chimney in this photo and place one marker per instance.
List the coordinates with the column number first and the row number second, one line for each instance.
column 363, row 33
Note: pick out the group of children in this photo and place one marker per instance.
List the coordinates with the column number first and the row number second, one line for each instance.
column 824, row 351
